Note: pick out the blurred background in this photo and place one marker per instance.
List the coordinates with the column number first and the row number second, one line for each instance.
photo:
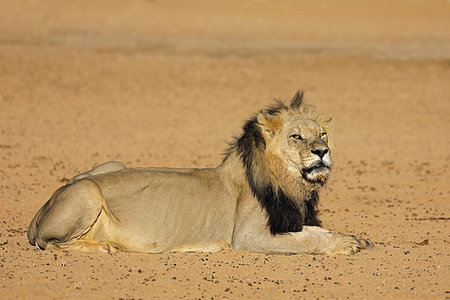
column 135, row 72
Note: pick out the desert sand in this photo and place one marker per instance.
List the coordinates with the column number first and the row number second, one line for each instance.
column 169, row 83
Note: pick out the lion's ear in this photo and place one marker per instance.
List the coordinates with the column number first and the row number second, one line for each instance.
column 297, row 101
column 269, row 124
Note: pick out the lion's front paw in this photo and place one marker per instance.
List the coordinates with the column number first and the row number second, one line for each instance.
column 347, row 244
column 365, row 244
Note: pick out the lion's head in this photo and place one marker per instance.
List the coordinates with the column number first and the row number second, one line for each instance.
column 287, row 155
column 296, row 141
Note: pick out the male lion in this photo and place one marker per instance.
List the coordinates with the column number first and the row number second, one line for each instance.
column 262, row 198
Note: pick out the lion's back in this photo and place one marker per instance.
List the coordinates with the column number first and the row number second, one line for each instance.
column 169, row 205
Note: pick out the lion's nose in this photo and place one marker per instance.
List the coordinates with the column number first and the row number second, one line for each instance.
column 320, row 152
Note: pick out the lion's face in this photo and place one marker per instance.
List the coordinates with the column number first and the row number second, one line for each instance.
column 302, row 145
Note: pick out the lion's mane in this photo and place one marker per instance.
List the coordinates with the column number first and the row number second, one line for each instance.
column 285, row 214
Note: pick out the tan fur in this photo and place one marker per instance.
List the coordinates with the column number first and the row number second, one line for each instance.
column 111, row 208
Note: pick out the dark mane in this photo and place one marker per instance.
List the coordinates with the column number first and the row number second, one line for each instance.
column 284, row 214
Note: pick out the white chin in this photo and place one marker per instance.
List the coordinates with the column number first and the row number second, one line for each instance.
column 317, row 176
column 310, row 176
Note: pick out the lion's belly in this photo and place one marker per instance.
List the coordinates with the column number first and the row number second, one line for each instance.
column 166, row 211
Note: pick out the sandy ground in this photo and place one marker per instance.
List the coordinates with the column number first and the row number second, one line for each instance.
column 166, row 83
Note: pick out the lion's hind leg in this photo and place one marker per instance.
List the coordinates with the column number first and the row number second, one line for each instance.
column 91, row 246
column 70, row 213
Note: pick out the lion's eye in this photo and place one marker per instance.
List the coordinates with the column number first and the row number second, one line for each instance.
column 322, row 134
column 297, row 137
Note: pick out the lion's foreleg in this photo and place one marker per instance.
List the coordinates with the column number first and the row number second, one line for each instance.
column 311, row 239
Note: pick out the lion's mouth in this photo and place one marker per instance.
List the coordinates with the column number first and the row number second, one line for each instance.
column 318, row 166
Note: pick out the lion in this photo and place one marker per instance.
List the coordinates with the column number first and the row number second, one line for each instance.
column 263, row 197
